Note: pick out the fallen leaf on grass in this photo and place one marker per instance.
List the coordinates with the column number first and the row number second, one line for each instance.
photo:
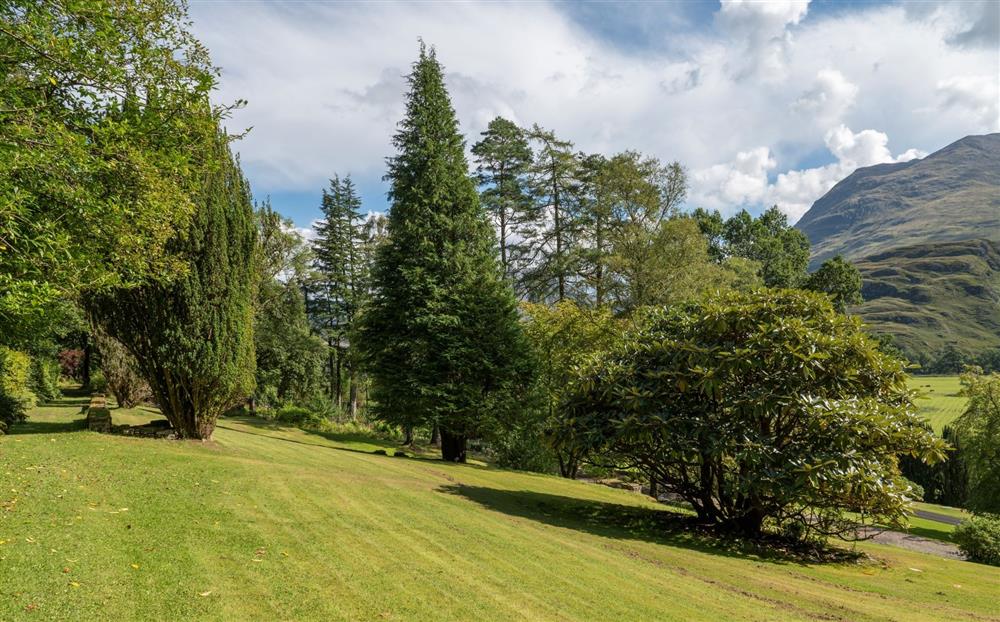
column 205, row 593
column 916, row 570
column 29, row 540
column 74, row 584
column 65, row 570
column 136, row 566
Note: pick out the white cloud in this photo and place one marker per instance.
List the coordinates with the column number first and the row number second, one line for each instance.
column 325, row 86
column 829, row 98
column 762, row 28
column 977, row 96
column 744, row 182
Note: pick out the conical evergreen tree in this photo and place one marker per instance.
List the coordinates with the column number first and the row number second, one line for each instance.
column 193, row 338
column 441, row 337
column 339, row 287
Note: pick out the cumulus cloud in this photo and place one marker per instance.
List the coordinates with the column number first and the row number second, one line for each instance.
column 829, row 98
column 325, row 86
column 744, row 181
column 762, row 27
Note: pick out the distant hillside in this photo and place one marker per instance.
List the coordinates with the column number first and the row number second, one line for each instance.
column 927, row 296
column 952, row 194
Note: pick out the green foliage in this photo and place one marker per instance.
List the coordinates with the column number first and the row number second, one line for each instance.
column 15, row 392
column 102, row 113
column 289, row 357
column 979, row 430
column 780, row 251
column 193, row 337
column 120, row 371
column 768, row 406
column 341, row 281
column 838, row 279
column 565, row 336
column 944, row 482
column 554, row 180
column 44, row 381
column 503, row 157
column 979, row 538
column 441, row 337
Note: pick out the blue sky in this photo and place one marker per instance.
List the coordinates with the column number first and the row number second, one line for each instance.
column 763, row 102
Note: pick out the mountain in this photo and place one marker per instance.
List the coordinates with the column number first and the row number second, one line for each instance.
column 952, row 194
column 931, row 295
column 925, row 235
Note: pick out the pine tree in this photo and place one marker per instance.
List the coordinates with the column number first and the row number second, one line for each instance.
column 502, row 160
column 554, row 185
column 441, row 337
column 338, row 288
column 193, row 338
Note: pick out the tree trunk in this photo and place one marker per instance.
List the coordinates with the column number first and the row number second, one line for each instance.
column 353, row 399
column 408, row 435
column 85, row 364
column 435, row 435
column 654, row 489
column 340, row 388
column 333, row 368
column 453, row 446
column 252, row 405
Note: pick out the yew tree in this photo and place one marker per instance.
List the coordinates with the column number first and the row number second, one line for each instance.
column 193, row 336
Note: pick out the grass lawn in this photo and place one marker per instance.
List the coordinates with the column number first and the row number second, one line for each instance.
column 281, row 524
column 942, row 404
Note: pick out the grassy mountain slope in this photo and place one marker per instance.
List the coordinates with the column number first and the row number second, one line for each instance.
column 280, row 524
column 928, row 296
column 952, row 194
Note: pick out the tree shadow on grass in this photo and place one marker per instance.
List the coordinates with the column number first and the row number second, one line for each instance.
column 34, row 426
column 617, row 521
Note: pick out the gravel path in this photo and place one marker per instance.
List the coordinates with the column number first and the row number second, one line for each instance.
column 916, row 543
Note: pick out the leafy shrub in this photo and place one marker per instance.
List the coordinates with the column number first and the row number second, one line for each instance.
column 121, row 370
column 916, row 490
column 16, row 396
column 98, row 383
column 45, row 379
column 979, row 538
column 299, row 416
column 768, row 405
column 524, row 449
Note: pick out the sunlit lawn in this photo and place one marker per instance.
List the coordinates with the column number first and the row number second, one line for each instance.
column 279, row 524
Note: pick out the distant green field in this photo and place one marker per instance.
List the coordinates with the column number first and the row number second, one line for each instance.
column 942, row 403
column 277, row 523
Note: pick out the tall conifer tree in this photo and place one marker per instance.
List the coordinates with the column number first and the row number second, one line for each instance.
column 441, row 336
column 339, row 289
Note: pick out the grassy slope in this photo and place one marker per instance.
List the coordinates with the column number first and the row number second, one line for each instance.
column 942, row 404
column 283, row 524
column 933, row 295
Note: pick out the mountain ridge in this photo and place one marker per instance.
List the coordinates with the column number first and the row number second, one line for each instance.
column 952, row 194
column 925, row 235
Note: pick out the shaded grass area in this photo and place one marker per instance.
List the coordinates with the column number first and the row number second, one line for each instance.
column 281, row 524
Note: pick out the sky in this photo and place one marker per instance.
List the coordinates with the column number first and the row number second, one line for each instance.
column 764, row 103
